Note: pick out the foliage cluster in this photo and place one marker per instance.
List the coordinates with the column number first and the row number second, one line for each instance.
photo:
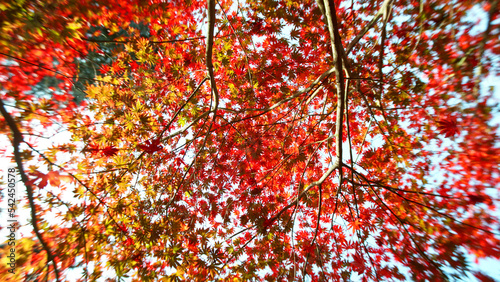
column 278, row 140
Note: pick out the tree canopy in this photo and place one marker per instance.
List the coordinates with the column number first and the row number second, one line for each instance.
column 272, row 140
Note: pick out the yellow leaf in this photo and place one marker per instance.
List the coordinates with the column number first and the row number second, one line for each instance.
column 74, row 25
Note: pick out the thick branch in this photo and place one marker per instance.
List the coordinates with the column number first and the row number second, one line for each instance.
column 338, row 58
column 209, row 51
column 18, row 138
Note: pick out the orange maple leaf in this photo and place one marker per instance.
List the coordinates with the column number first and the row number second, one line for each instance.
column 354, row 225
column 53, row 178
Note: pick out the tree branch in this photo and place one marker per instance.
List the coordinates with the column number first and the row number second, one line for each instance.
column 18, row 138
column 209, row 52
column 338, row 58
column 379, row 14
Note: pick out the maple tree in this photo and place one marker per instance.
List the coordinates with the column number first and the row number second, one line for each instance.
column 274, row 140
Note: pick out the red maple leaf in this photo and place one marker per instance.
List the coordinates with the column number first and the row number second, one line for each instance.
column 122, row 228
column 448, row 127
column 129, row 241
column 151, row 146
column 93, row 149
column 109, row 151
column 474, row 199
